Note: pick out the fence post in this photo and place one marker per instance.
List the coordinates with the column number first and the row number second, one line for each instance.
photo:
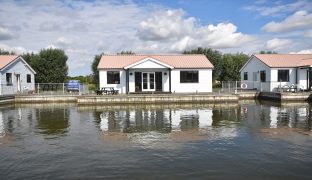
column 80, row 89
column 38, row 88
column 63, row 88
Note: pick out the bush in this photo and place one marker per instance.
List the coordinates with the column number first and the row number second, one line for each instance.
column 92, row 87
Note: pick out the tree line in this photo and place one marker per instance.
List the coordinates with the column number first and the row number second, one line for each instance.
column 51, row 64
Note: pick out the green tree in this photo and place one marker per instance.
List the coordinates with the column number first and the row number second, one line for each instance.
column 4, row 52
column 268, row 52
column 125, row 52
column 50, row 65
column 94, row 65
column 231, row 64
column 214, row 56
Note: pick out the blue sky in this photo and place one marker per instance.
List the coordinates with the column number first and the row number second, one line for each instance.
column 86, row 28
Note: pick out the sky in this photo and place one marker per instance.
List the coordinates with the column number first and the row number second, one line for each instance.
column 86, row 28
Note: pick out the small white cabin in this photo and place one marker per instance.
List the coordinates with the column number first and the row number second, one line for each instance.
column 16, row 75
column 271, row 72
column 156, row 73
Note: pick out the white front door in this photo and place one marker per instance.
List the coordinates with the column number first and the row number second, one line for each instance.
column 148, row 81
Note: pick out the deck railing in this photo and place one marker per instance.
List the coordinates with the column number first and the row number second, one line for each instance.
column 43, row 88
column 268, row 86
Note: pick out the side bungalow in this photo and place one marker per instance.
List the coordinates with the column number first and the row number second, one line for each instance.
column 271, row 72
column 16, row 75
column 156, row 73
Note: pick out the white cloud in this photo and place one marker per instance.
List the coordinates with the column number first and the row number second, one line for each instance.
column 299, row 20
column 278, row 44
column 308, row 34
column 64, row 42
column 304, row 51
column 274, row 8
column 5, row 34
column 166, row 25
column 17, row 49
column 171, row 26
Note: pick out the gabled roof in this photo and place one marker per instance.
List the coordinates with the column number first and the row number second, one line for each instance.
column 6, row 60
column 176, row 61
column 285, row 60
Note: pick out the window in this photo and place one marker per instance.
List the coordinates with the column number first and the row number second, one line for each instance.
column 283, row 75
column 245, row 75
column 28, row 76
column 9, row 79
column 262, row 76
column 188, row 76
column 113, row 77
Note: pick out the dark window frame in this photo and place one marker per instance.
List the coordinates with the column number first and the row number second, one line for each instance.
column 28, row 78
column 9, row 79
column 262, row 76
column 283, row 75
column 245, row 75
column 189, row 76
column 113, row 77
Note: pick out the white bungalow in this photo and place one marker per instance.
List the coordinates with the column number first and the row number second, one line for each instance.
column 161, row 73
column 270, row 72
column 16, row 75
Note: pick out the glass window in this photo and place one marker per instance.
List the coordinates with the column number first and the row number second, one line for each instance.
column 283, row 75
column 188, row 76
column 245, row 75
column 28, row 76
column 9, row 79
column 113, row 77
column 262, row 76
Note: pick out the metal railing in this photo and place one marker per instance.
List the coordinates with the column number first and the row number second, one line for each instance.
column 269, row 86
column 60, row 89
column 43, row 88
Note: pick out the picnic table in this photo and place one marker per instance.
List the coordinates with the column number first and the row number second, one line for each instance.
column 107, row 90
column 291, row 88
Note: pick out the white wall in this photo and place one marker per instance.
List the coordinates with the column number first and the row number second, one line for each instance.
column 103, row 80
column 254, row 65
column 204, row 81
column 204, row 84
column 18, row 67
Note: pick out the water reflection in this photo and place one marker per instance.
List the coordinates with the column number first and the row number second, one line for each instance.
column 52, row 121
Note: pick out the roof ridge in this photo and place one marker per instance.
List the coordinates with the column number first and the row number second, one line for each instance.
column 153, row 55
column 282, row 54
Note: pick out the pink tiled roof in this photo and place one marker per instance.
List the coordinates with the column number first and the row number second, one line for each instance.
column 6, row 59
column 285, row 60
column 176, row 61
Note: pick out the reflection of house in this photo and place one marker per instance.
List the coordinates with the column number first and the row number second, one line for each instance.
column 163, row 120
column 269, row 71
column 163, row 73
column 16, row 75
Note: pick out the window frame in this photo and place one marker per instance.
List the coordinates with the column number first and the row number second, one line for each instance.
column 262, row 76
column 28, row 76
column 113, row 80
column 245, row 76
column 9, row 79
column 280, row 73
column 194, row 76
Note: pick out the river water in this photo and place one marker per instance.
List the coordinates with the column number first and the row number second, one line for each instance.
column 248, row 140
